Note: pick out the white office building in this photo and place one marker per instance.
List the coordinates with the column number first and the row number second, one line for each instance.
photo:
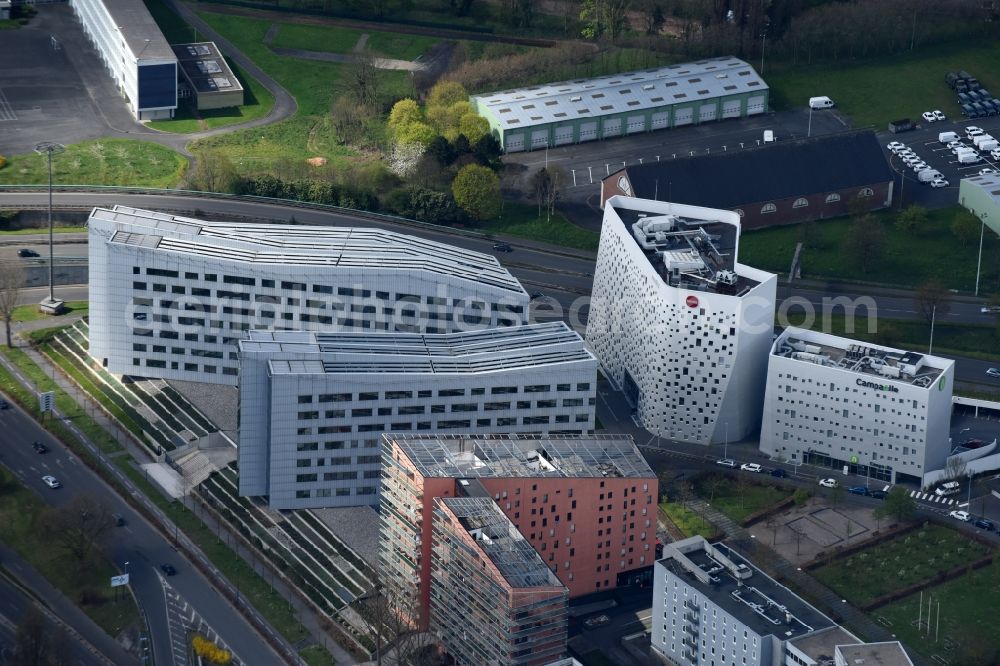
column 837, row 402
column 171, row 296
column 313, row 406
column 136, row 53
column 677, row 322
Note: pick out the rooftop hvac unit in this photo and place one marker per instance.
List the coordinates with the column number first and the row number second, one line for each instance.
column 726, row 277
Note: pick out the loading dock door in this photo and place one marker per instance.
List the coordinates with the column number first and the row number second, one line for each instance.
column 683, row 116
column 731, row 108
column 756, row 105
column 707, row 112
column 613, row 127
column 564, row 134
column 588, row 131
column 539, row 138
column 514, row 143
column 661, row 120
column 636, row 124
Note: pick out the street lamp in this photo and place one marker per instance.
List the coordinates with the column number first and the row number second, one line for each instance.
column 979, row 264
column 50, row 305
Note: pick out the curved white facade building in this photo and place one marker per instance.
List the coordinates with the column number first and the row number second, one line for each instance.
column 170, row 296
column 678, row 323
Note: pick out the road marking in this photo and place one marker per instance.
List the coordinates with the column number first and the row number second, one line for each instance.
column 6, row 110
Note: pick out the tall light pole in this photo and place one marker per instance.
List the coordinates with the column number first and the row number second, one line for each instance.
column 763, row 43
column 930, row 347
column 50, row 305
column 979, row 264
column 809, row 132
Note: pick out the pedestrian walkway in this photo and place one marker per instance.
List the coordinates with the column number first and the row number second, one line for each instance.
column 312, row 621
column 62, row 610
column 931, row 497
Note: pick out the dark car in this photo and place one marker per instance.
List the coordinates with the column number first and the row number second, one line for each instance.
column 858, row 490
column 3, row 404
column 25, row 252
column 778, row 472
column 502, row 247
column 168, row 569
column 118, row 519
column 39, row 447
column 984, row 524
column 536, row 295
column 878, row 494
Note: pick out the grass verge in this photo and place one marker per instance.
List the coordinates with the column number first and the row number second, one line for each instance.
column 83, row 583
column 689, row 522
column 38, row 231
column 898, row 563
column 339, row 39
column 522, row 220
column 738, row 497
column 32, row 313
column 100, row 162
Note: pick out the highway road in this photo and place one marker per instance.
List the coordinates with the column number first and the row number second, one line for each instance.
column 137, row 542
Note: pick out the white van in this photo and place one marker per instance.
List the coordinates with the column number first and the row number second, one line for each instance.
column 768, row 136
column 927, row 175
column 820, row 102
column 947, row 137
column 947, row 488
column 969, row 157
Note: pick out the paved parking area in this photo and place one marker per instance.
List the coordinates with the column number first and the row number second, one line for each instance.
column 54, row 87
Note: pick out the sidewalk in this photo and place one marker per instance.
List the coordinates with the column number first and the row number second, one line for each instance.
column 816, row 593
column 80, row 627
column 304, row 613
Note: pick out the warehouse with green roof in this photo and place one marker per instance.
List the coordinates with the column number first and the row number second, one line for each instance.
column 558, row 114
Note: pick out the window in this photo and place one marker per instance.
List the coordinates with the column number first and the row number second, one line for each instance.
column 768, row 208
column 832, row 198
column 801, row 202
column 866, row 192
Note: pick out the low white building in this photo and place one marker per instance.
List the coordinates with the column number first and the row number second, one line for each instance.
column 313, row 406
column 171, row 296
column 677, row 322
column 837, row 402
column 136, row 53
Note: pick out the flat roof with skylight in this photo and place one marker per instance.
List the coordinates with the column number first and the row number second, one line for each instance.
column 205, row 69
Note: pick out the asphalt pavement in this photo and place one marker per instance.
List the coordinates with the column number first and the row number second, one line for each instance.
column 137, row 542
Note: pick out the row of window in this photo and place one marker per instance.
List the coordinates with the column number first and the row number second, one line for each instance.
column 802, row 202
column 364, row 396
column 448, row 424
column 187, row 367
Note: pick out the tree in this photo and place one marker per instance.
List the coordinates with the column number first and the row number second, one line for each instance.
column 653, row 16
column 404, row 112
column 519, row 13
column 911, row 218
column 800, row 496
column 541, row 186
column 866, row 242
column 446, row 93
column 441, row 150
column 79, row 526
column 363, row 79
column 931, row 299
column 966, row 228
column 899, row 505
column 477, row 191
column 417, row 133
column 797, row 534
column 348, row 119
column 487, row 150
column 955, row 468
column 473, row 126
column 214, row 172
column 604, row 18
column 404, row 157
column 35, row 644
column 11, row 283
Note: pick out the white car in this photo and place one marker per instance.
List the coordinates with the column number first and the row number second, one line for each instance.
column 751, row 467
column 972, row 131
column 920, row 166
column 51, row 481
column 928, row 116
column 960, row 515
column 726, row 462
column 955, row 144
column 938, row 115
column 993, row 372
column 939, row 182
column 896, row 146
column 995, row 154
column 987, row 171
column 990, row 309
column 828, row 483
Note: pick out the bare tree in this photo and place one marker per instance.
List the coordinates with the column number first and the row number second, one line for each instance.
column 11, row 283
column 797, row 534
column 955, row 468
column 79, row 526
column 214, row 172
column 931, row 299
column 35, row 644
column 395, row 639
column 347, row 118
column 866, row 241
column 363, row 79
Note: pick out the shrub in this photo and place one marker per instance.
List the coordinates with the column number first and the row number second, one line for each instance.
column 209, row 651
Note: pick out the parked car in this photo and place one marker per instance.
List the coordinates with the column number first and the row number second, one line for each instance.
column 878, row 494
column 779, row 473
column 960, row 515
column 858, row 490
column 502, row 247
column 596, row 621
column 751, row 467
column 168, row 569
column 984, row 524
column 39, row 447
column 928, row 116
column 989, row 309
column 972, row 131
column 993, row 372
column 828, row 483
column 726, row 462
column 25, row 252
column 995, row 154
column 117, row 519
column 3, row 404
column 938, row 115
column 51, row 481
column 939, row 182
column 987, row 171
column 920, row 166
column 895, row 146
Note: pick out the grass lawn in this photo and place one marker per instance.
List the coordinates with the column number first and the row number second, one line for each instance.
column 100, row 162
column 32, row 313
column 911, row 258
column 689, row 522
column 878, row 90
column 523, row 220
column 338, row 39
column 34, row 231
column 317, row 655
column 726, row 494
column 897, row 563
column 20, row 512
column 967, row 615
